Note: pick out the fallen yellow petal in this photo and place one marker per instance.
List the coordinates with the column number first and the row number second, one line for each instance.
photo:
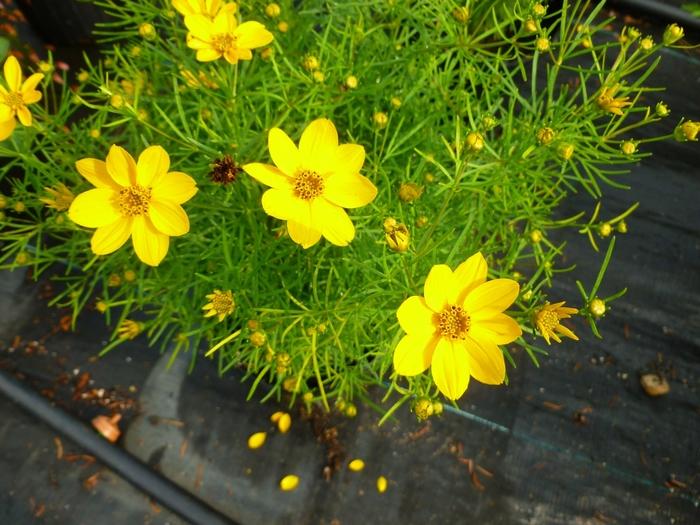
column 257, row 440
column 381, row 484
column 356, row 465
column 284, row 423
column 276, row 417
column 289, row 482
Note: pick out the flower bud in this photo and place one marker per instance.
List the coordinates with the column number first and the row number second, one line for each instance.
column 662, row 110
column 461, row 14
column 565, row 151
column 605, row 229
column 423, row 408
column 408, row 191
column 597, row 307
column 257, row 339
column 646, row 43
column 628, row 147
column 542, row 44
column 395, row 102
column 283, row 27
column 673, row 34
column 474, row 141
column 147, row 31
column 380, row 119
column 530, row 25
column 687, row 130
column 536, row 236
column 622, row 227
column 351, row 81
column 398, row 238
column 545, row 135
column 488, row 122
column 273, row 10
column 539, row 10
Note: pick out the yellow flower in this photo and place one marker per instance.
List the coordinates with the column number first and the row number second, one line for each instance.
column 607, row 102
column 380, row 119
column 351, row 82
column 547, row 321
column 140, row 200
column 311, row 184
column 18, row 95
column 474, row 141
column 208, row 8
column 60, row 199
column 457, row 326
column 222, row 36
column 220, row 304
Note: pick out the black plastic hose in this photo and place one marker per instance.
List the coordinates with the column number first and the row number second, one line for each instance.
column 662, row 10
column 127, row 466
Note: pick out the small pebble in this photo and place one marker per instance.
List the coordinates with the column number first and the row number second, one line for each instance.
column 289, row 482
column 257, row 440
column 356, row 465
column 381, row 484
column 654, row 385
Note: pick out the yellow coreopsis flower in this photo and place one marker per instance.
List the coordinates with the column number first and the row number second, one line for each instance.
column 547, row 320
column 208, row 8
column 312, row 184
column 222, row 36
column 455, row 329
column 16, row 97
column 140, row 200
column 607, row 102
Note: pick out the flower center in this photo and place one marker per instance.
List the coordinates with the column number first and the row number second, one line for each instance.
column 308, row 185
column 224, row 42
column 222, row 303
column 13, row 99
column 134, row 200
column 548, row 318
column 454, row 322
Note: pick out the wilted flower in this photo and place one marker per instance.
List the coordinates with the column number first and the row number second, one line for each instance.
column 607, row 102
column 548, row 321
column 60, row 197
column 408, row 191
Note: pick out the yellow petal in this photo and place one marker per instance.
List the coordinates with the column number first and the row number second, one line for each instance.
column 414, row 353
column 149, row 244
column 348, row 159
column 6, row 112
column 333, row 221
column 415, row 317
column 95, row 171
column 282, row 204
column 31, row 83
column 153, row 162
column 244, row 54
column 318, row 145
column 94, row 208
column 13, row 73
column 121, row 166
column 252, row 34
column 24, row 115
column 175, row 186
column 168, row 218
column 501, row 329
column 450, row 368
column 491, row 297
column 303, row 233
column 563, row 330
column 110, row 238
column 439, row 287
column 30, row 97
column 486, row 360
column 349, row 191
column 6, row 128
column 268, row 175
column 283, row 152
column 232, row 56
column 200, row 27
column 224, row 22
column 208, row 54
column 470, row 274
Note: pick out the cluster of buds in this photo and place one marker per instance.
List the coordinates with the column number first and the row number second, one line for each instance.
column 424, row 408
column 396, row 235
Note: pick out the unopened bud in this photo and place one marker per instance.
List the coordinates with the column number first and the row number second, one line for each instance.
column 672, row 34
